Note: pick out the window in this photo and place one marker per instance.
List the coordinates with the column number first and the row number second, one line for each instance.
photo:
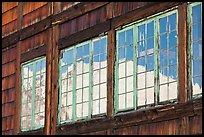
column 146, row 62
column 195, row 47
column 83, row 80
column 33, row 94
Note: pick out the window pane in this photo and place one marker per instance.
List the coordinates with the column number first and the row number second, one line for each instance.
column 172, row 39
column 197, row 49
column 121, row 54
column 103, row 45
column 197, row 85
column 129, row 53
column 96, row 47
column 196, row 13
column 130, row 67
column 121, row 86
column 121, row 70
column 129, row 84
column 163, row 59
column 163, row 93
column 141, row 97
column 163, row 25
column 79, row 52
column 150, row 62
column 122, row 101
column 163, row 42
column 172, row 21
column 197, row 67
column 150, row 79
column 140, row 80
column 121, row 37
column 86, row 49
column 150, row 95
column 173, row 90
column 130, row 100
column 197, row 28
column 129, row 36
column 150, row 29
column 141, row 48
column 150, row 43
column 141, row 32
column 163, row 76
column 172, row 56
column 141, row 65
column 172, row 73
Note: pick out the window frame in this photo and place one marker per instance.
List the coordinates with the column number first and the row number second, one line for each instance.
column 74, row 76
column 25, row 64
column 134, row 25
column 190, row 5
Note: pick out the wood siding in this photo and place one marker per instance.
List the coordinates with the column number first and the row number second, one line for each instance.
column 33, row 29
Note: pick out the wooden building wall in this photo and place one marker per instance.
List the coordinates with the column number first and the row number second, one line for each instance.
column 32, row 29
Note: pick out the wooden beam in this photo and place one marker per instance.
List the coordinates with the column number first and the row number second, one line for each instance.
column 48, row 88
column 36, row 52
column 182, row 53
column 110, row 72
column 18, row 75
column 54, row 91
column 145, row 116
column 144, row 11
column 84, row 34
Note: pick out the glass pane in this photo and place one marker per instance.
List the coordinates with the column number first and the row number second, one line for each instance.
column 141, row 32
column 150, row 95
column 30, row 83
column 121, row 38
column 141, row 81
column 172, row 56
column 70, row 82
column 121, row 86
column 79, row 110
column 150, row 43
column 163, row 93
column 140, row 97
column 30, row 70
column 197, row 85
column 64, row 72
column 38, row 66
column 96, row 62
column 163, row 42
column 69, row 101
column 141, row 65
column 96, row 77
column 37, row 94
column 96, row 47
column 70, row 56
column 69, row 112
column 79, row 52
column 196, row 13
column 150, row 29
column 130, row 67
column 150, row 62
column 25, row 72
column 85, row 94
column 129, row 36
column 63, row 114
column 103, row 90
column 43, row 65
column 172, row 39
column 79, row 67
column 163, row 25
column 23, row 110
column 64, row 85
column 121, row 54
column 103, row 105
column 172, row 21
column 64, row 100
column 85, row 79
column 130, row 100
column 103, row 75
column 79, row 82
column 129, row 84
column 86, row 65
column 78, row 96
column 102, row 57
column 163, row 76
column 197, row 49
column 65, row 58
column 172, row 73
column 121, row 70
column 86, row 49
column 141, row 48
column 163, row 59
column 95, row 92
column 103, row 45
column 129, row 53
column 85, row 109
column 122, row 101
column 197, row 67
column 149, row 78
column 173, row 90
column 95, row 107
column 197, row 28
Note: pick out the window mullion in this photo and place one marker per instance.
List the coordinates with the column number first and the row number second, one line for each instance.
column 33, row 97
column 90, row 79
column 135, row 46
column 74, row 85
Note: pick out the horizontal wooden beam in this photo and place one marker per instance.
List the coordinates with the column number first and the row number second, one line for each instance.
column 36, row 52
column 155, row 114
column 84, row 34
column 10, row 39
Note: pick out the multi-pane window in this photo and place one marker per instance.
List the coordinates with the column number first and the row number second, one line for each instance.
column 125, row 59
column 83, row 80
column 195, row 47
column 146, row 62
column 33, row 94
column 167, row 35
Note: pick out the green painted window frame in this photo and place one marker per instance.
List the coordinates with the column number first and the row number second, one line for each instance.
column 135, row 25
column 74, row 117
column 33, row 88
column 190, row 49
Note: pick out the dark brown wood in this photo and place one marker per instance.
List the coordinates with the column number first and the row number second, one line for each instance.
column 76, row 10
column 84, row 35
column 139, row 13
column 155, row 114
column 34, row 53
column 182, row 55
column 10, row 39
column 48, row 88
column 110, row 72
column 54, row 90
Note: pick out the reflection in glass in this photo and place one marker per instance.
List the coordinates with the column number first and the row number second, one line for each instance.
column 150, row 29
column 197, row 28
column 150, row 62
column 163, row 25
column 129, row 36
column 197, row 67
column 172, row 21
column 163, row 41
column 196, row 13
column 172, row 39
column 141, row 32
column 121, row 37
